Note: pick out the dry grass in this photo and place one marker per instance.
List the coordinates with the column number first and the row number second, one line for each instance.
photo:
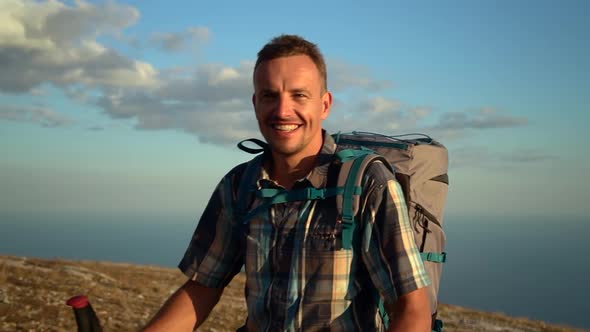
column 33, row 294
column 461, row 319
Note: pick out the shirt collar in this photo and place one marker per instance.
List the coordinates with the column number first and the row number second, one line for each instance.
column 318, row 176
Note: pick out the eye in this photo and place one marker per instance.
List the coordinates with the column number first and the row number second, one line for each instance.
column 267, row 95
column 299, row 95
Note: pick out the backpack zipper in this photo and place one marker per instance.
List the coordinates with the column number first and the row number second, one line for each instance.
column 422, row 217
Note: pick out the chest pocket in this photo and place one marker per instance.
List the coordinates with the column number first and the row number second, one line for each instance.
column 330, row 270
column 299, row 252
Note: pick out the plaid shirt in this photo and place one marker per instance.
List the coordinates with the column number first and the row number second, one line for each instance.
column 298, row 275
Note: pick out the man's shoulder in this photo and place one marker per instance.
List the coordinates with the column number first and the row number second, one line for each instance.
column 238, row 172
column 377, row 171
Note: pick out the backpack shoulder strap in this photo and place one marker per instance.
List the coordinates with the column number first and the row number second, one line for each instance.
column 247, row 187
column 350, row 178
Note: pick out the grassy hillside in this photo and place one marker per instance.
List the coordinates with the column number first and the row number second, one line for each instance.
column 33, row 294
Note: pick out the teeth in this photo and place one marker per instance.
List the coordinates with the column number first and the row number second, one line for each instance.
column 286, row 127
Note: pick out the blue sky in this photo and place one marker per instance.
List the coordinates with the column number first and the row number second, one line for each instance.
column 133, row 107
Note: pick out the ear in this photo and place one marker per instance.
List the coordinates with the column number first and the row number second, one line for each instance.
column 326, row 105
column 254, row 100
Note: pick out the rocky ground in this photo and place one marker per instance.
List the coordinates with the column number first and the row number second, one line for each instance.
column 33, row 293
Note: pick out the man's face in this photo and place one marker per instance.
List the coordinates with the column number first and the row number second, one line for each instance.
column 290, row 105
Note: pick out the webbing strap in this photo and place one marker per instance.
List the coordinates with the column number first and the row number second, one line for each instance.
column 247, row 187
column 383, row 313
column 435, row 257
column 438, row 326
column 276, row 196
column 350, row 190
column 262, row 146
column 401, row 146
column 352, row 154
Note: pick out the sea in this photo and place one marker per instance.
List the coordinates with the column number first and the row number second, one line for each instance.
column 533, row 267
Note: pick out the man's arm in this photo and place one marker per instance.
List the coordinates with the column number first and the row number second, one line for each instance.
column 411, row 312
column 186, row 309
column 390, row 253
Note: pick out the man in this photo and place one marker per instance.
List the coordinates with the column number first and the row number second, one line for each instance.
column 298, row 275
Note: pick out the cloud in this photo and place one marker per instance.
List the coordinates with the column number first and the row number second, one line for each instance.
column 486, row 118
column 212, row 103
column 37, row 92
column 50, row 42
column 391, row 116
column 343, row 76
column 527, row 156
column 55, row 44
column 457, row 125
column 40, row 115
column 377, row 114
column 202, row 34
column 481, row 156
column 210, row 83
column 179, row 41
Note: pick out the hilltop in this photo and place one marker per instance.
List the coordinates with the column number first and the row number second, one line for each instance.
column 33, row 294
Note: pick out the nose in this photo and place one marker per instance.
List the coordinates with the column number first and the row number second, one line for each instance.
column 285, row 107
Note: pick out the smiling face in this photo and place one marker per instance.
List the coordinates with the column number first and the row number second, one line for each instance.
column 290, row 105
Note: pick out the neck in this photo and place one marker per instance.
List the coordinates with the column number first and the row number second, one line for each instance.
column 286, row 171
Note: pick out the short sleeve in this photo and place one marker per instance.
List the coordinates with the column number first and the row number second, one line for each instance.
column 389, row 250
column 214, row 255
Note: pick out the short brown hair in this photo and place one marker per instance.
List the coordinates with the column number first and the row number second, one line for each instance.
column 288, row 45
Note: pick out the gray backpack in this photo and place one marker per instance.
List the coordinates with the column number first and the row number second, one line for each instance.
column 420, row 165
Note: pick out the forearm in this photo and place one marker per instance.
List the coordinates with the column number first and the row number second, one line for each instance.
column 186, row 309
column 411, row 313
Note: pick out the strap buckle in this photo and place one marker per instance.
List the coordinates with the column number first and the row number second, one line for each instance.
column 314, row 193
column 434, row 257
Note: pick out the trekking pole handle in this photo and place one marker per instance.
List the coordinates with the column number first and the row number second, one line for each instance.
column 86, row 318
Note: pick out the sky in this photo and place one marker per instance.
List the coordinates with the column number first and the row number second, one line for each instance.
column 135, row 107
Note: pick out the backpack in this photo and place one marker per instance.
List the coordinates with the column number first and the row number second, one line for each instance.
column 419, row 164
